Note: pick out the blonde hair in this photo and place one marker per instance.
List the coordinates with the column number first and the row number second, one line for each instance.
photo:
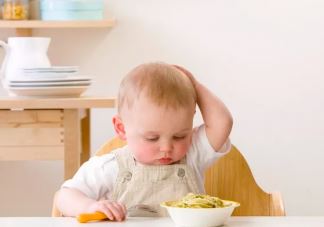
column 162, row 83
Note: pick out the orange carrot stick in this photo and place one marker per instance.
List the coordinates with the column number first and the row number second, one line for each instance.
column 86, row 217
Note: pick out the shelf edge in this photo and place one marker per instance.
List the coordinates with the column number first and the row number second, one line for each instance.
column 57, row 24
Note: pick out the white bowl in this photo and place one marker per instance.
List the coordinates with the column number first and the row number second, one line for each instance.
column 201, row 216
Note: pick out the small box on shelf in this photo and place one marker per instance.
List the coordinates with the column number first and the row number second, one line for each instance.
column 72, row 9
column 93, row 20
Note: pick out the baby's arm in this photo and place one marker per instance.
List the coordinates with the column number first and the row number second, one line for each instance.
column 72, row 202
column 217, row 118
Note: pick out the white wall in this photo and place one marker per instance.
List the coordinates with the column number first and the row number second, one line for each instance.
column 263, row 58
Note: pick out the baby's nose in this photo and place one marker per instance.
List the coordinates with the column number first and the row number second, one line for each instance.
column 166, row 146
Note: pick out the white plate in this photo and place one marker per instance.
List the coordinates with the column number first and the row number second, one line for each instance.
column 53, row 69
column 50, row 79
column 49, row 84
column 49, row 91
column 40, row 75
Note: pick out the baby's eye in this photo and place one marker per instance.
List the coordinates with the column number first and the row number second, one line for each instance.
column 179, row 137
column 152, row 139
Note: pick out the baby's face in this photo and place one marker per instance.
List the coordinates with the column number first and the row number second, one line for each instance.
column 156, row 135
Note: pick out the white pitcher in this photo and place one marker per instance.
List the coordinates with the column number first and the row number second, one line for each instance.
column 23, row 52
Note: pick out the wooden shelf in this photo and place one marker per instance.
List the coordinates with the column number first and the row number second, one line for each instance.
column 23, row 27
column 56, row 103
column 57, row 24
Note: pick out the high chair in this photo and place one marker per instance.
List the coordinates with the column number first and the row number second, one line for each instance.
column 229, row 178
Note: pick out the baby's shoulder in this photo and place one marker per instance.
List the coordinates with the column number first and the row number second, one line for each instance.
column 104, row 160
column 109, row 160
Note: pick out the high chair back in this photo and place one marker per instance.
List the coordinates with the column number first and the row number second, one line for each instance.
column 229, row 178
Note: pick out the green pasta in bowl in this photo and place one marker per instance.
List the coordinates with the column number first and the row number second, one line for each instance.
column 200, row 210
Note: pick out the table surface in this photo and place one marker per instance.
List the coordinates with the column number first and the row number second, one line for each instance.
column 288, row 221
column 7, row 102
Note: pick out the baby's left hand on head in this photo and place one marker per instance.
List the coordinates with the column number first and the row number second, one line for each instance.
column 186, row 72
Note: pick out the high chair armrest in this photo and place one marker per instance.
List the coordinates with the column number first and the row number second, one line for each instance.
column 276, row 204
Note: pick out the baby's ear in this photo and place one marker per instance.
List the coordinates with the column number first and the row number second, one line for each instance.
column 119, row 127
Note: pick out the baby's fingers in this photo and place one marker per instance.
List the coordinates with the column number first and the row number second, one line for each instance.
column 122, row 208
column 117, row 211
column 104, row 208
column 186, row 72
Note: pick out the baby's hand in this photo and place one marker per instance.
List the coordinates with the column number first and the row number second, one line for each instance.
column 187, row 73
column 113, row 210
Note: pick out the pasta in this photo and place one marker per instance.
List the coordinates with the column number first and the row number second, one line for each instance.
column 198, row 201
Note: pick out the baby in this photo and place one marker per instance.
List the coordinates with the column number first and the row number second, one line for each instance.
column 165, row 157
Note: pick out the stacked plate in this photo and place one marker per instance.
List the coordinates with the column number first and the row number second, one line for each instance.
column 51, row 81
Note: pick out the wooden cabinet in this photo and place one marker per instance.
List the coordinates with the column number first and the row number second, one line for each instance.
column 48, row 129
column 31, row 135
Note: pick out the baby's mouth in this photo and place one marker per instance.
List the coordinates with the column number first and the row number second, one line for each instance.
column 165, row 161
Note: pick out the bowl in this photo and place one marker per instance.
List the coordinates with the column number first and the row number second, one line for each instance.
column 200, row 216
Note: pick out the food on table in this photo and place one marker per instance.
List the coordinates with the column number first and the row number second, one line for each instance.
column 198, row 201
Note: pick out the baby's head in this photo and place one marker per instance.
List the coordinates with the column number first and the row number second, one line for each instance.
column 156, row 105
column 161, row 83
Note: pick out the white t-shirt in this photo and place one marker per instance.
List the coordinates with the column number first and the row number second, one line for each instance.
column 96, row 178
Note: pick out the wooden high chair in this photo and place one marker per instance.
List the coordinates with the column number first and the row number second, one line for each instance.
column 229, row 178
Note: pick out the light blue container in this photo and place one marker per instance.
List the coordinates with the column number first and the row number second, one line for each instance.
column 72, row 9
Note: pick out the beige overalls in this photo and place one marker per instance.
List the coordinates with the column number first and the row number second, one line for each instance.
column 138, row 184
